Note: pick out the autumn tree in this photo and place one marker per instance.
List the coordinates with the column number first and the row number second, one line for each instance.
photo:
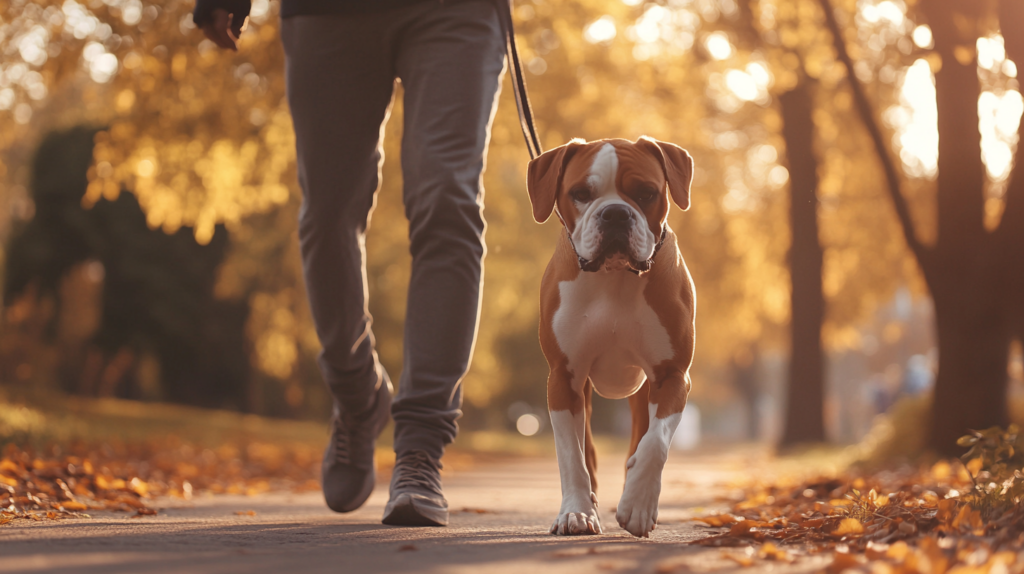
column 974, row 268
column 202, row 138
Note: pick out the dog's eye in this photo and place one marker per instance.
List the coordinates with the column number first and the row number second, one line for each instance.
column 646, row 195
column 580, row 194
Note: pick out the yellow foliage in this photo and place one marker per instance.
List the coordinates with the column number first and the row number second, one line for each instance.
column 203, row 137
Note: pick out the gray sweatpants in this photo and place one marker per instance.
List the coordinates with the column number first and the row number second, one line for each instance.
column 341, row 73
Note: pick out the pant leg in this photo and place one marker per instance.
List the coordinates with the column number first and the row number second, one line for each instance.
column 450, row 59
column 340, row 80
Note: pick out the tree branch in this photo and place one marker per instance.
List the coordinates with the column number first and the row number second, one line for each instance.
column 892, row 176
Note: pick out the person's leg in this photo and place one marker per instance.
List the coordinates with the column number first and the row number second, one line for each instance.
column 450, row 59
column 340, row 81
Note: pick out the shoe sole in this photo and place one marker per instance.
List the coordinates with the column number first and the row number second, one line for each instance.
column 406, row 514
column 355, row 502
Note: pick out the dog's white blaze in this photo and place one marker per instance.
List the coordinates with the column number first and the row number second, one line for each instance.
column 587, row 235
column 570, row 435
column 637, row 511
column 609, row 333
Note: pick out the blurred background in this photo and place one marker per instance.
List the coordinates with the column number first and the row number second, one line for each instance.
column 149, row 201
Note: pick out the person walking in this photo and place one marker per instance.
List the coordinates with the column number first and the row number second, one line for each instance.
column 342, row 61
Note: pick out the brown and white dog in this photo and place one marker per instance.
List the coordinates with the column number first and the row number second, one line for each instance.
column 616, row 315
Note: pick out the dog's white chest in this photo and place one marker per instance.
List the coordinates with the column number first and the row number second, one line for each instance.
column 609, row 332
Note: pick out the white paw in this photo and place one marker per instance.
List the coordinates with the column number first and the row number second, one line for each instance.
column 637, row 511
column 578, row 518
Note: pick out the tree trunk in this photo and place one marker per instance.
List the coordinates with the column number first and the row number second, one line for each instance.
column 805, row 394
column 976, row 277
column 965, row 267
column 970, row 388
column 745, row 380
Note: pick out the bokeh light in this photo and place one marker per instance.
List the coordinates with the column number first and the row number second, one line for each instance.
column 528, row 424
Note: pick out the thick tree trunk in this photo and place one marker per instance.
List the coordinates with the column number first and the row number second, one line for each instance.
column 976, row 277
column 805, row 394
column 970, row 389
column 965, row 271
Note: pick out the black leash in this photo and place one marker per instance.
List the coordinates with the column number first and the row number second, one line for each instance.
column 518, row 81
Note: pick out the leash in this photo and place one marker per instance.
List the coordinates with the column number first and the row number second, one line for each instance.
column 526, row 123
column 518, row 81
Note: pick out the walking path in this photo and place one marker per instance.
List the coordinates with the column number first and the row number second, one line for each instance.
column 501, row 511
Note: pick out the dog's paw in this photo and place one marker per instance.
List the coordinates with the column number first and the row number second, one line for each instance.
column 578, row 518
column 637, row 511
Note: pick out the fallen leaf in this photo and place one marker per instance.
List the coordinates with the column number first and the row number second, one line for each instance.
column 718, row 520
column 771, row 552
column 74, row 505
column 848, row 526
column 469, row 510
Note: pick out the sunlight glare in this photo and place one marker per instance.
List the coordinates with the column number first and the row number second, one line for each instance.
column 888, row 10
column 991, row 52
column 647, row 28
column 718, row 46
column 915, row 121
column 600, row 30
column 999, row 116
column 742, row 85
column 923, row 37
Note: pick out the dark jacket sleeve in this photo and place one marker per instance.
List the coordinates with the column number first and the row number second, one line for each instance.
column 204, row 9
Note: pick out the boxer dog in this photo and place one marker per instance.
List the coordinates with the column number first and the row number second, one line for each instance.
column 616, row 314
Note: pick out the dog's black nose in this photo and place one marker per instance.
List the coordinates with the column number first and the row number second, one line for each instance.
column 616, row 214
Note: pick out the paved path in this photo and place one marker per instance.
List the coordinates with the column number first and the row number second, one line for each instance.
column 501, row 512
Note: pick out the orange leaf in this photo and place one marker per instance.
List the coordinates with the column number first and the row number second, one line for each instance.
column 848, row 526
column 718, row 520
column 945, row 512
column 967, row 518
column 898, row 551
column 772, row 552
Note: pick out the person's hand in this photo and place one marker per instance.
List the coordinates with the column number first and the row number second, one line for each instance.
column 224, row 29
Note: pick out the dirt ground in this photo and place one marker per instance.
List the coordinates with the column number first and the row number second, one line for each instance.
column 501, row 510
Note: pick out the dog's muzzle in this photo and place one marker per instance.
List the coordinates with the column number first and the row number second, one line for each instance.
column 616, row 226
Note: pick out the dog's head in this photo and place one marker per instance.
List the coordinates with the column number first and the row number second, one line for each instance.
column 612, row 196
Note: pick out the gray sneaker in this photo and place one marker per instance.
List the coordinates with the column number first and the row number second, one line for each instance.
column 416, row 498
column 348, row 467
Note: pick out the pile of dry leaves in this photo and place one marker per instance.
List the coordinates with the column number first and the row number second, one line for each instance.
column 960, row 518
column 67, row 482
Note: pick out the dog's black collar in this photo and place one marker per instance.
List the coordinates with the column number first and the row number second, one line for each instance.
column 584, row 263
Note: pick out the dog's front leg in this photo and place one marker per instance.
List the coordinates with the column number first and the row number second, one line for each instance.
column 567, row 407
column 637, row 511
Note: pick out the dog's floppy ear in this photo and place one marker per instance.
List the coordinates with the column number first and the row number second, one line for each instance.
column 544, row 177
column 678, row 166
